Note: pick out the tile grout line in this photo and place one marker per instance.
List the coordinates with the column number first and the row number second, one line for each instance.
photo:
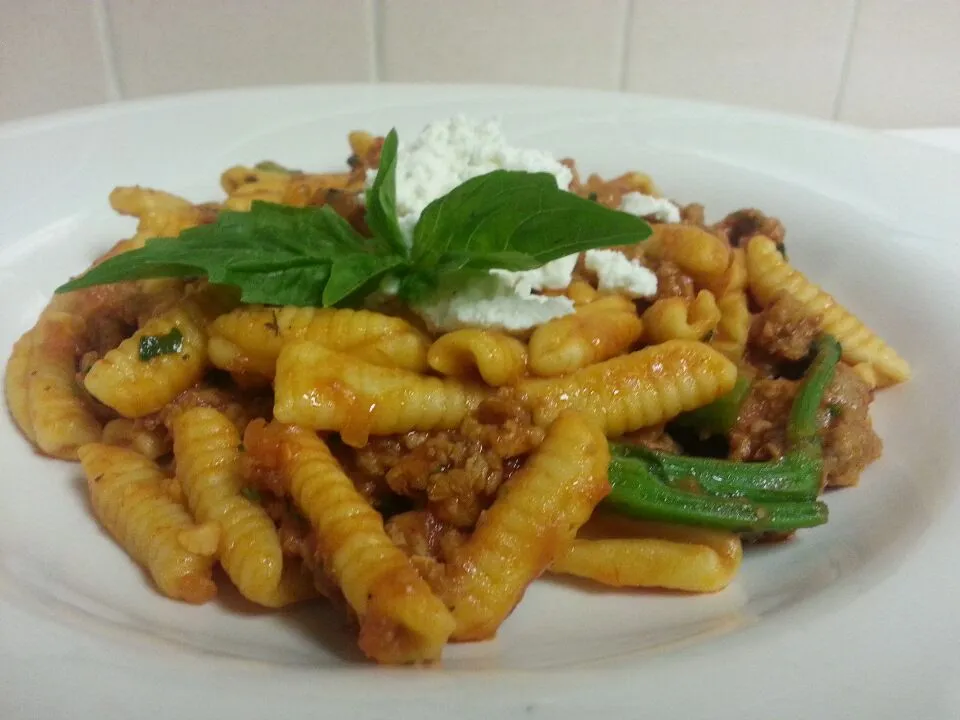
column 625, row 48
column 376, row 41
column 107, row 51
column 845, row 65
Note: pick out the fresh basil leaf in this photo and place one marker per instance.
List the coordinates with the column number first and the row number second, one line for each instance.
column 507, row 260
column 507, row 211
column 381, row 199
column 352, row 274
column 152, row 346
column 274, row 254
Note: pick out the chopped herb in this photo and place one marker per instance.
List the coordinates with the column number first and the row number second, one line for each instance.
column 250, row 494
column 152, row 346
column 592, row 197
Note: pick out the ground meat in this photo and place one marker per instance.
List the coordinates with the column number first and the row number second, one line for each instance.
column 740, row 226
column 692, row 214
column 850, row 443
column 653, row 438
column 672, row 282
column 784, row 330
column 419, row 532
column 760, row 432
column 238, row 405
column 427, row 541
column 292, row 528
column 457, row 472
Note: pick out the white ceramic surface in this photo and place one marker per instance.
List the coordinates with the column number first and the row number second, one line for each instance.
column 856, row 619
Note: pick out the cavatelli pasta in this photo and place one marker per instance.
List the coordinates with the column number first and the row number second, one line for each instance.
column 135, row 385
column 769, row 274
column 326, row 390
column 15, row 384
column 244, row 185
column 249, row 339
column 126, row 492
column 61, row 417
column 627, row 553
column 644, row 388
column 676, row 318
column 533, row 521
column 733, row 329
column 698, row 253
column 497, row 358
column 401, row 620
column 582, row 292
column 207, row 448
column 151, row 442
column 597, row 331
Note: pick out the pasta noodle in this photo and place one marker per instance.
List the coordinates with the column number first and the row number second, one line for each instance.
column 326, row 390
column 733, row 327
column 127, row 497
column 769, row 274
column 633, row 391
column 598, row 331
column 134, row 385
column 628, row 553
column 700, row 254
column 677, row 319
column 533, row 521
column 61, row 418
column 152, row 443
column 207, row 447
column 16, row 384
column 249, row 339
column 401, row 620
column 498, row 358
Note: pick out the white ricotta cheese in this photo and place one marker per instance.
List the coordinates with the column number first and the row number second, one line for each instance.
column 555, row 275
column 617, row 272
column 449, row 152
column 494, row 303
column 636, row 203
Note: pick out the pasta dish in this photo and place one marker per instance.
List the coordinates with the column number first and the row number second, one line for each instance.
column 413, row 387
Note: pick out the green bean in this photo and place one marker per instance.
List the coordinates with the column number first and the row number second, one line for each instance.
column 779, row 495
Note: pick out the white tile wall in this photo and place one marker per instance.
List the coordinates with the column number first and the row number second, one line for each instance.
column 537, row 42
column 904, row 64
column 877, row 62
column 766, row 53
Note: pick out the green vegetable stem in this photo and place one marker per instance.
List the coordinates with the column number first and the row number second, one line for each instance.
column 778, row 496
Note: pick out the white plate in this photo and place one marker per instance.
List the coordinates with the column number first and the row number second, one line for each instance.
column 857, row 619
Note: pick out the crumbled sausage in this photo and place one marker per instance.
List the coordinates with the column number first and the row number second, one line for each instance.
column 672, row 282
column 653, row 438
column 457, row 472
column 850, row 443
column 692, row 214
column 784, row 329
column 760, row 432
column 740, row 226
